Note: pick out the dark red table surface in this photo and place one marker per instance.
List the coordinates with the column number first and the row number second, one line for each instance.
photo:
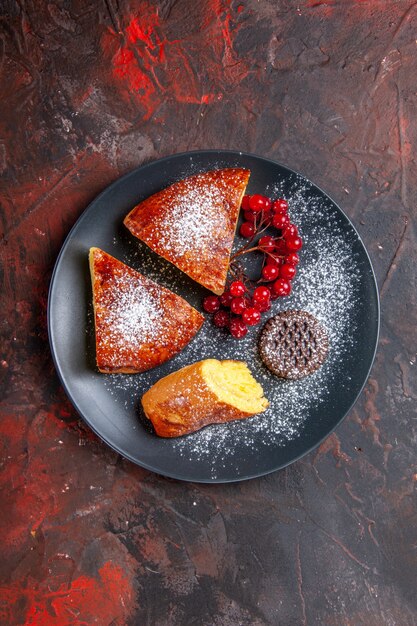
column 93, row 88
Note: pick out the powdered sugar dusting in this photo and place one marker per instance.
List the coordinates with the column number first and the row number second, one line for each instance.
column 190, row 227
column 326, row 286
column 134, row 317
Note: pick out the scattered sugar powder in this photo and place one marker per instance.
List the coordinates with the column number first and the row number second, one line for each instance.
column 134, row 317
column 326, row 285
column 137, row 313
column 189, row 226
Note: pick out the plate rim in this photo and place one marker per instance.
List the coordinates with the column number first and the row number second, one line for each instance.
column 62, row 378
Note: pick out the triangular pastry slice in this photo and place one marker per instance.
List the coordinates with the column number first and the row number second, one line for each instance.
column 138, row 323
column 192, row 223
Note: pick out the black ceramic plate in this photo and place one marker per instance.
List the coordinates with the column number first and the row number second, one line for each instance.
column 335, row 282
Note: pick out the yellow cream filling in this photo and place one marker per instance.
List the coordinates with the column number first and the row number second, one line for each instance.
column 232, row 383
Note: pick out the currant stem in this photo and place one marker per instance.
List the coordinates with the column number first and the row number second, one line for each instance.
column 274, row 255
column 243, row 251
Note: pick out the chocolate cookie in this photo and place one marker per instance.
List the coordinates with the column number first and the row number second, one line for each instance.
column 293, row 344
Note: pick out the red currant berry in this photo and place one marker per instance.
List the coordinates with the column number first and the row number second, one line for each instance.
column 294, row 243
column 281, row 287
column 270, row 272
column 247, row 230
column 280, row 206
column 281, row 248
column 238, row 328
column 225, row 299
column 237, row 288
column 221, row 319
column 264, row 305
column 249, row 216
column 292, row 257
column 251, row 316
column 280, row 220
column 238, row 305
column 211, row 304
column 245, row 203
column 257, row 203
column 268, row 204
column 273, row 260
column 287, row 271
column 269, row 287
column 290, row 231
column 261, row 294
column 266, row 243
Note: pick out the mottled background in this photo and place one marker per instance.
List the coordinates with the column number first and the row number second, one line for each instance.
column 91, row 89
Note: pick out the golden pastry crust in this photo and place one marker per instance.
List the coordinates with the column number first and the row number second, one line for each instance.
column 138, row 324
column 192, row 397
column 192, row 223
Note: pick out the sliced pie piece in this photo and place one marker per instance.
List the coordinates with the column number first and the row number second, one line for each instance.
column 207, row 392
column 138, row 323
column 192, row 223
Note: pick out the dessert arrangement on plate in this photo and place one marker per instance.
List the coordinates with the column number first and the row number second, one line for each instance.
column 233, row 319
column 139, row 324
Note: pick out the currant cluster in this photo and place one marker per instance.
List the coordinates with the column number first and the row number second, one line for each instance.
column 242, row 304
